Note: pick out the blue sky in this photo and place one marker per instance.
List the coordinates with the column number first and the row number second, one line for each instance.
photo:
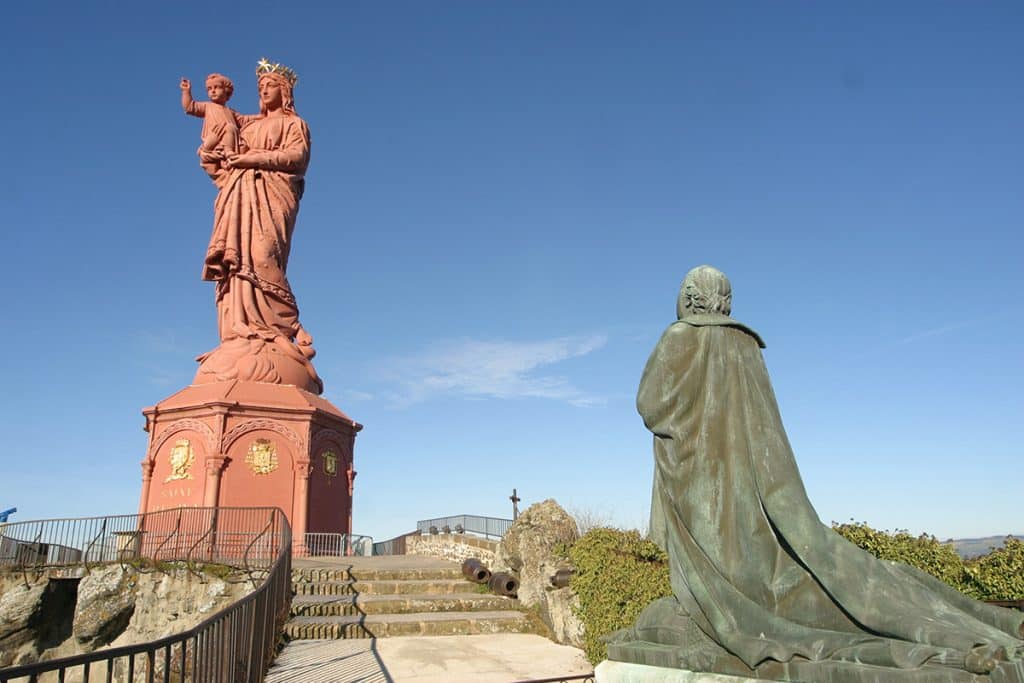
column 502, row 201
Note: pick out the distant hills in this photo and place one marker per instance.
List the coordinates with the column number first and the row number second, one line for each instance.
column 973, row 547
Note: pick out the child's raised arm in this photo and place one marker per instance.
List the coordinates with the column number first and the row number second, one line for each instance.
column 187, row 103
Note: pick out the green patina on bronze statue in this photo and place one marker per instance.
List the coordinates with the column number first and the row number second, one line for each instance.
column 761, row 587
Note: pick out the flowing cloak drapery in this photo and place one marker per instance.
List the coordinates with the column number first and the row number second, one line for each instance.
column 749, row 558
column 254, row 216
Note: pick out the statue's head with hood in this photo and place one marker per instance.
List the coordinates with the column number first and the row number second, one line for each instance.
column 704, row 290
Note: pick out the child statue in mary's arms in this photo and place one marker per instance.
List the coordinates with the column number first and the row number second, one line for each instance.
column 221, row 124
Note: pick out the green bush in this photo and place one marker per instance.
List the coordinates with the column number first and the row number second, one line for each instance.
column 925, row 552
column 618, row 573
column 1000, row 574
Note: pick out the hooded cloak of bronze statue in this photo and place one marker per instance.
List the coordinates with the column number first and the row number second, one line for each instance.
column 761, row 587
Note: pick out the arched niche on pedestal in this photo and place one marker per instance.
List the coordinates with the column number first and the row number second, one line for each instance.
column 330, row 502
column 261, row 455
column 177, row 458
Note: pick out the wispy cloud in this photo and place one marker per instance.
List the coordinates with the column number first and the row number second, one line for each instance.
column 355, row 395
column 163, row 357
column 951, row 327
column 162, row 342
column 164, row 377
column 493, row 369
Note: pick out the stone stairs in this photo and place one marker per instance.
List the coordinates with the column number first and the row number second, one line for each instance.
column 395, row 596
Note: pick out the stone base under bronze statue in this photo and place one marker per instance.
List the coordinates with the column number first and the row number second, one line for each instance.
column 622, row 672
column 666, row 646
column 661, row 669
column 664, row 637
column 252, row 444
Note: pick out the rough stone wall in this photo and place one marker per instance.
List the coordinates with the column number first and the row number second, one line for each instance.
column 533, row 549
column 454, row 547
column 110, row 606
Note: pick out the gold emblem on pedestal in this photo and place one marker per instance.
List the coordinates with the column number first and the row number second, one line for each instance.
column 262, row 456
column 181, row 459
column 330, row 464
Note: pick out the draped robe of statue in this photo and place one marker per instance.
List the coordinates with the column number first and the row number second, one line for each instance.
column 254, row 217
column 762, row 588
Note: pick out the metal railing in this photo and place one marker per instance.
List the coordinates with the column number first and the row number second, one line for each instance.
column 235, row 645
column 473, row 524
column 323, row 544
column 244, row 537
column 586, row 678
column 393, row 546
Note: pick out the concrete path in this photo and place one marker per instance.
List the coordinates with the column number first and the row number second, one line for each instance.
column 499, row 658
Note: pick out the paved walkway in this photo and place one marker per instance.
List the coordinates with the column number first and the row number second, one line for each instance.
column 500, row 658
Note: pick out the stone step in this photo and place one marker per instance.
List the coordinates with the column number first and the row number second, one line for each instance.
column 385, row 587
column 316, row 575
column 337, row 605
column 415, row 624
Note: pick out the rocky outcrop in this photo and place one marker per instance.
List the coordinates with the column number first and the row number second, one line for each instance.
column 180, row 600
column 106, row 602
column 534, row 549
column 20, row 608
column 56, row 616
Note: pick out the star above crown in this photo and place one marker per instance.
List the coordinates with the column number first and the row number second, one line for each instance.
column 265, row 66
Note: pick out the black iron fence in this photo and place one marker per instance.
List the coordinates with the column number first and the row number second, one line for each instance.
column 235, row 645
column 244, row 537
column 473, row 524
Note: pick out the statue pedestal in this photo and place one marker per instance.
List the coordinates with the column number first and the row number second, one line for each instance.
column 623, row 672
column 251, row 444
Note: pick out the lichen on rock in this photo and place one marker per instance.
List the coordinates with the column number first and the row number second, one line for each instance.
column 534, row 548
column 106, row 602
column 20, row 605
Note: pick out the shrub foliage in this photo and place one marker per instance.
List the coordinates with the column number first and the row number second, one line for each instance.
column 925, row 552
column 618, row 573
column 1000, row 574
column 996, row 576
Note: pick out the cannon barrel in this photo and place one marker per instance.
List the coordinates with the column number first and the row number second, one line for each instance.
column 560, row 579
column 475, row 571
column 504, row 584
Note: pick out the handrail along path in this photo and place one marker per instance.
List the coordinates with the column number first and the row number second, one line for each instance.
column 235, row 645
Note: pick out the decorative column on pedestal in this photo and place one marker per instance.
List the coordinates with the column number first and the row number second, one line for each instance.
column 214, row 466
column 147, row 478
column 351, row 475
column 301, row 505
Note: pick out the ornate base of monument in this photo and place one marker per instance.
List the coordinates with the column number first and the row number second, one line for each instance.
column 251, row 444
column 257, row 360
